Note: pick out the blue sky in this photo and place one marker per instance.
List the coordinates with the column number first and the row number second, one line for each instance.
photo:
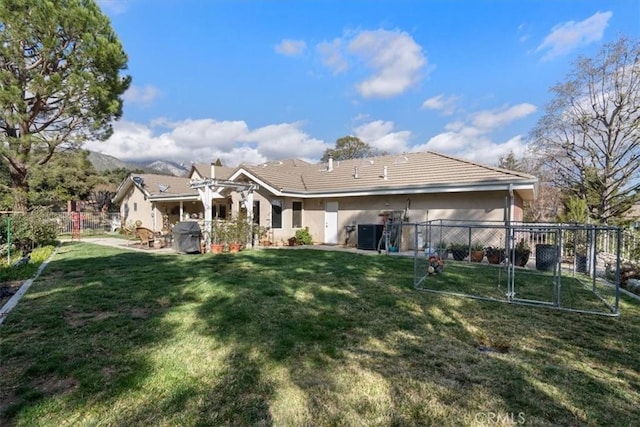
column 252, row 81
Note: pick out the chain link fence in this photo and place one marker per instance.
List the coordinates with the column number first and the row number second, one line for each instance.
column 574, row 267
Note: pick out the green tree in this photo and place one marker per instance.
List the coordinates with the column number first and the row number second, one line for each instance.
column 60, row 82
column 349, row 147
column 67, row 176
column 589, row 137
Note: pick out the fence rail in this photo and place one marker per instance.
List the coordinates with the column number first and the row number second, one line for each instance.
column 574, row 267
column 88, row 222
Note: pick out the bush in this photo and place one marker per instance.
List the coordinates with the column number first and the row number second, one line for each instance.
column 303, row 237
column 29, row 230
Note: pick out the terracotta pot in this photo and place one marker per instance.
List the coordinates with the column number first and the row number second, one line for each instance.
column 234, row 247
column 495, row 256
column 216, row 248
column 476, row 256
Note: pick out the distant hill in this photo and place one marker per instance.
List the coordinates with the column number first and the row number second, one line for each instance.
column 104, row 162
column 165, row 167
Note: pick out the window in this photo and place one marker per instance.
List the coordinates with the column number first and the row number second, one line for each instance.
column 256, row 212
column 135, row 207
column 220, row 211
column 276, row 214
column 297, row 215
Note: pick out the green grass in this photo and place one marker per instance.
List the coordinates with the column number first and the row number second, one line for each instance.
column 298, row 337
column 26, row 271
column 490, row 281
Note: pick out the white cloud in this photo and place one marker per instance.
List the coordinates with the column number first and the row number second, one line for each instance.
column 446, row 104
column 285, row 140
column 570, row 35
column 114, row 6
column 380, row 135
column 470, row 145
column 332, row 56
column 290, row 47
column 472, row 139
column 394, row 56
column 496, row 118
column 207, row 139
column 144, row 95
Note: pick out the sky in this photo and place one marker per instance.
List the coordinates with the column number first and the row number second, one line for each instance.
column 254, row 81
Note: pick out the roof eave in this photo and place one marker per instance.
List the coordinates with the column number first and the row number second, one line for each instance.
column 525, row 189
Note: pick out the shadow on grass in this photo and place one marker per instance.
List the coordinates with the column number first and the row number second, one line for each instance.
column 347, row 332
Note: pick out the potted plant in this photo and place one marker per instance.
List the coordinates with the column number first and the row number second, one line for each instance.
column 238, row 232
column 260, row 235
column 459, row 251
column 476, row 253
column 521, row 254
column 580, row 241
column 217, row 236
column 495, row 255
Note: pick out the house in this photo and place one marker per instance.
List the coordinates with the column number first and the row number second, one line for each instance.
column 332, row 198
column 157, row 201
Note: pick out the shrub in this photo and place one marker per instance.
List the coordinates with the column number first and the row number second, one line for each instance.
column 29, row 230
column 303, row 237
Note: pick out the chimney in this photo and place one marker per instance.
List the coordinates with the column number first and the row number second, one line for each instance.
column 384, row 173
column 213, row 170
column 330, row 167
column 355, row 172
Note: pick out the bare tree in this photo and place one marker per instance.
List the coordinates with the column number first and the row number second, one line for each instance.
column 589, row 137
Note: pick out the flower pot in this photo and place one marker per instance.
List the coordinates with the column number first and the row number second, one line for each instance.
column 459, row 254
column 546, row 257
column 476, row 256
column 495, row 256
column 520, row 258
column 581, row 263
column 217, row 248
column 234, row 247
column 292, row 241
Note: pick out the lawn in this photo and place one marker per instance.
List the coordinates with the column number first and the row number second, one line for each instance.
column 291, row 337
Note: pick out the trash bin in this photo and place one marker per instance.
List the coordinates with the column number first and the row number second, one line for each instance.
column 546, row 257
column 186, row 237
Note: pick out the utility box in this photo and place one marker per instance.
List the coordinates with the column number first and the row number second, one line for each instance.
column 369, row 235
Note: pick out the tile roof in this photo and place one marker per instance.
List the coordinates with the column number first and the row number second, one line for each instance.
column 410, row 172
column 204, row 169
column 417, row 170
column 165, row 185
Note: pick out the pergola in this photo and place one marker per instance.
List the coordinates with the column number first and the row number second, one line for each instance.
column 208, row 186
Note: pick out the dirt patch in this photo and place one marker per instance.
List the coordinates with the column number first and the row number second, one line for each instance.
column 77, row 320
column 8, row 289
column 139, row 313
column 53, row 385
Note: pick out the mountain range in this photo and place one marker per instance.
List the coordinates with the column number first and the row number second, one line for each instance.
column 103, row 162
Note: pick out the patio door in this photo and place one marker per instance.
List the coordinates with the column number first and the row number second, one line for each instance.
column 331, row 223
